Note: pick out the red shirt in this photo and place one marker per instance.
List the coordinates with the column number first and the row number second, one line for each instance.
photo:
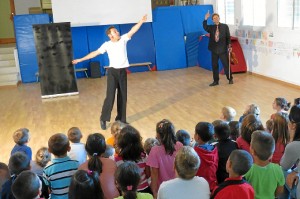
column 243, row 144
column 208, row 166
column 278, row 153
column 244, row 191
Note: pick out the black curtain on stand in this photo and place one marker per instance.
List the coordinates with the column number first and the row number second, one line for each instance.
column 53, row 44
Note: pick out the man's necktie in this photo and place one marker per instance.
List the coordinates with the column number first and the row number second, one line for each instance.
column 217, row 34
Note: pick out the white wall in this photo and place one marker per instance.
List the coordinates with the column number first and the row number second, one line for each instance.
column 22, row 6
column 277, row 53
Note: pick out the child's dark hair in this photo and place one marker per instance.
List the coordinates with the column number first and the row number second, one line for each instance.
column 3, row 166
column 241, row 161
column 282, row 103
column 294, row 118
column 263, row 144
column 234, row 129
column 74, row 135
column 250, row 124
column 222, row 131
column 18, row 162
column 26, row 185
column 58, row 144
column 184, row 137
column 85, row 184
column 21, row 136
column 216, row 122
column 297, row 101
column 5, row 173
column 129, row 143
column 166, row 131
column 128, row 179
column 205, row 131
column 95, row 146
column 280, row 129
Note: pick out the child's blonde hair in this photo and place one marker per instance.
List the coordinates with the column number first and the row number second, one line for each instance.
column 42, row 156
column 116, row 127
column 74, row 135
column 187, row 162
column 229, row 113
column 21, row 136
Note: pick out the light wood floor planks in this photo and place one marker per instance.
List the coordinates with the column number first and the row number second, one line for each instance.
column 183, row 96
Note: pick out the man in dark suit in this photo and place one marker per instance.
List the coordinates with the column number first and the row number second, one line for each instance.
column 219, row 45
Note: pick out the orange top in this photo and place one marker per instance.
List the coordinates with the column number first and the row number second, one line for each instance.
column 111, row 141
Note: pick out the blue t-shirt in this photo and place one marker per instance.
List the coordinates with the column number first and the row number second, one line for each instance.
column 22, row 148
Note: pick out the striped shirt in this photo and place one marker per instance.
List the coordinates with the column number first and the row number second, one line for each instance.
column 142, row 165
column 59, row 174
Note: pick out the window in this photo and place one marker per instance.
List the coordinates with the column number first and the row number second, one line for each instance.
column 226, row 11
column 297, row 14
column 285, row 13
column 254, row 12
column 288, row 13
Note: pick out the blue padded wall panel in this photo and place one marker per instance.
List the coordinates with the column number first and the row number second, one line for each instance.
column 192, row 46
column 141, row 46
column 96, row 37
column 25, row 44
column 193, row 16
column 80, row 47
column 169, row 38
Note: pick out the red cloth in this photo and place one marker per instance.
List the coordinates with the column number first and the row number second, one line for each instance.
column 208, row 166
column 278, row 153
column 244, row 191
column 242, row 144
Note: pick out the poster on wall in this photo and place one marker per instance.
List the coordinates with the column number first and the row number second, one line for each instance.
column 53, row 44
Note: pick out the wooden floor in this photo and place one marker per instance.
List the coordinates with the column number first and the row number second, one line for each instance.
column 183, row 96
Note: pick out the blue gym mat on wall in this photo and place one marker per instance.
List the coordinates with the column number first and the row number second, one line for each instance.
column 25, row 44
column 193, row 16
column 141, row 47
column 169, row 38
column 80, row 47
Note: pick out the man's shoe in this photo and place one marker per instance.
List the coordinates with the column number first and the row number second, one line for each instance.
column 214, row 84
column 230, row 81
column 103, row 125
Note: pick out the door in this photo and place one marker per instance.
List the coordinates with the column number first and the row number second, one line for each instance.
column 7, row 11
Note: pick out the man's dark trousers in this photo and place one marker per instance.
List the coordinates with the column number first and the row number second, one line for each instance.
column 116, row 80
column 215, row 66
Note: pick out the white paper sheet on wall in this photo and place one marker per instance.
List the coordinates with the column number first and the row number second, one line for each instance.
column 100, row 12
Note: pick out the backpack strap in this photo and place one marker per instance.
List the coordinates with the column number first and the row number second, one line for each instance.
column 225, row 184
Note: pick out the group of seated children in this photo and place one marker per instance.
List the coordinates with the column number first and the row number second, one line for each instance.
column 225, row 159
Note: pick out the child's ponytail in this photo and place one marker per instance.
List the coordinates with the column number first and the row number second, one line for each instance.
column 166, row 131
column 95, row 147
column 128, row 179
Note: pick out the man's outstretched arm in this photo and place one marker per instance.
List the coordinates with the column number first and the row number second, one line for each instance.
column 88, row 56
column 136, row 27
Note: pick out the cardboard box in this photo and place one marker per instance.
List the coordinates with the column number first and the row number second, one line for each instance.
column 35, row 10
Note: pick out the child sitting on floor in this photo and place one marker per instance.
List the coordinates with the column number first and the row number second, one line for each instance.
column 238, row 164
